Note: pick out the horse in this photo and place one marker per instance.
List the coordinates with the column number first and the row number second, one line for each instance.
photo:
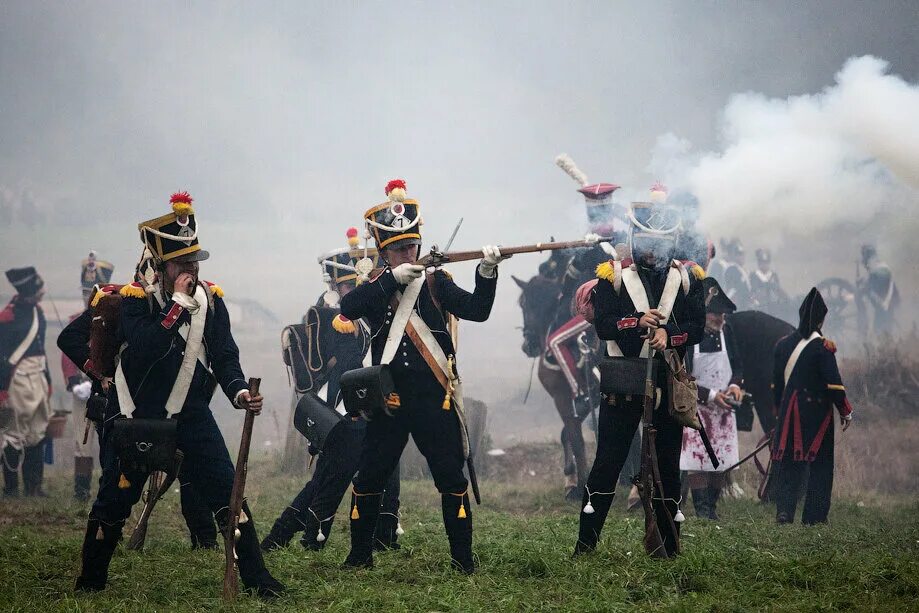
column 539, row 301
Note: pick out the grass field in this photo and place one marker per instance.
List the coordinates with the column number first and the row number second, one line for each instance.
column 867, row 558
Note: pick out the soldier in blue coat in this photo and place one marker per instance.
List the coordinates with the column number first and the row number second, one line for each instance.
column 807, row 388
column 425, row 406
column 179, row 348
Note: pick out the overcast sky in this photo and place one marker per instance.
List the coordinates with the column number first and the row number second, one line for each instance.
column 285, row 120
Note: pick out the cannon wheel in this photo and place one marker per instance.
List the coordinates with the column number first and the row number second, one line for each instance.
column 846, row 314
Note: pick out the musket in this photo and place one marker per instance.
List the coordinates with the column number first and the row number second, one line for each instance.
column 653, row 541
column 230, row 579
column 437, row 257
column 766, row 440
column 159, row 484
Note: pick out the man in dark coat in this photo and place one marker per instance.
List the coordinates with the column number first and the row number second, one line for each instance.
column 807, row 388
column 179, row 348
column 634, row 317
column 424, row 404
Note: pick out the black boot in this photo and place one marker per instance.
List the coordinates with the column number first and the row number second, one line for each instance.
column 252, row 572
column 714, row 494
column 594, row 509
column 82, row 478
column 365, row 509
column 458, row 522
column 316, row 533
column 701, row 503
column 283, row 530
column 33, row 470
column 98, row 547
column 385, row 536
column 10, row 461
column 204, row 538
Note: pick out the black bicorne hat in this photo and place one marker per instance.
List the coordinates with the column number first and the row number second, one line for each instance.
column 398, row 220
column 26, row 280
column 812, row 312
column 716, row 301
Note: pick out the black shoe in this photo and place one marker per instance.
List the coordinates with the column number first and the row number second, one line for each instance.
column 265, row 586
column 99, row 544
column 582, row 548
column 457, row 514
column 783, row 518
column 252, row 572
column 365, row 509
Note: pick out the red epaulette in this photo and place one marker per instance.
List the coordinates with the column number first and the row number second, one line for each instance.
column 6, row 315
column 830, row 345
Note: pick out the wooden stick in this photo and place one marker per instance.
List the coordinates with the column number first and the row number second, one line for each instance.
column 230, row 578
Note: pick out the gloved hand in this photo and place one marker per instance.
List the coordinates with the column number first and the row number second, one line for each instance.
column 845, row 422
column 406, row 273
column 491, row 257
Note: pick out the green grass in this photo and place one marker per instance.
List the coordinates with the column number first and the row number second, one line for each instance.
column 865, row 559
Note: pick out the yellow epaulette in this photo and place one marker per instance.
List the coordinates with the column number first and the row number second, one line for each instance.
column 697, row 271
column 104, row 290
column 133, row 290
column 606, row 271
column 215, row 289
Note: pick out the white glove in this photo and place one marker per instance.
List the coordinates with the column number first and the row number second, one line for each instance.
column 406, row 273
column 491, row 257
column 592, row 239
column 82, row 391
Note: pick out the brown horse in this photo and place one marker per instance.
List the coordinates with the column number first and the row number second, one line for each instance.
column 539, row 301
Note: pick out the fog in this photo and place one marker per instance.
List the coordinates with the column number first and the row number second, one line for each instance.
column 794, row 123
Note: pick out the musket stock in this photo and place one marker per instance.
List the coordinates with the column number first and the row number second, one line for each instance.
column 155, row 491
column 230, row 578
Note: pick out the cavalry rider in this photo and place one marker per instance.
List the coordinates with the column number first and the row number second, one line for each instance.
column 179, row 347
column 93, row 272
column 766, row 292
column 75, row 342
column 716, row 365
column 407, row 311
column 25, row 384
column 562, row 347
column 655, row 303
column 881, row 290
column 728, row 268
column 807, row 387
column 336, row 346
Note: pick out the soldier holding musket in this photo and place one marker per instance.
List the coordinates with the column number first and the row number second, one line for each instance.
column 179, row 347
column 408, row 313
column 653, row 305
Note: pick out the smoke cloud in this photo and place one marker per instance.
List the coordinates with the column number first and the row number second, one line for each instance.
column 807, row 164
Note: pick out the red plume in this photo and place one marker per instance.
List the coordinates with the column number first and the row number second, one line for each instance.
column 352, row 232
column 180, row 197
column 394, row 184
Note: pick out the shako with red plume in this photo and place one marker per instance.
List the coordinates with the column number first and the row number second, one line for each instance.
column 396, row 221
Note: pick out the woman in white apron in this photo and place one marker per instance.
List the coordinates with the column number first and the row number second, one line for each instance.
column 715, row 363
